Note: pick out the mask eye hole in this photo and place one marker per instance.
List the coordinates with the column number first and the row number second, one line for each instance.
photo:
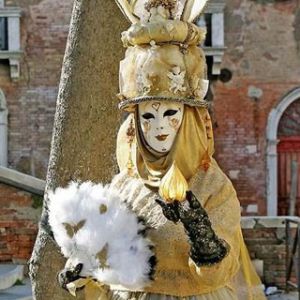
column 170, row 112
column 148, row 116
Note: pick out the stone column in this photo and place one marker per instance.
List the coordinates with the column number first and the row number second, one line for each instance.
column 86, row 122
column 272, row 180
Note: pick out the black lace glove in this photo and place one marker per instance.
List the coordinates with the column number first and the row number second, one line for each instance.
column 206, row 247
column 66, row 276
column 170, row 210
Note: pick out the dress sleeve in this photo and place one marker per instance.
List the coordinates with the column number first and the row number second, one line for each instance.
column 223, row 209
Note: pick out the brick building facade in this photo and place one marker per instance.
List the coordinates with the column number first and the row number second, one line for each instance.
column 20, row 212
column 262, row 64
column 30, row 102
column 263, row 55
column 31, row 99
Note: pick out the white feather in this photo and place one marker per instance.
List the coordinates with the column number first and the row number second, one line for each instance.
column 117, row 229
column 192, row 9
column 189, row 10
column 127, row 10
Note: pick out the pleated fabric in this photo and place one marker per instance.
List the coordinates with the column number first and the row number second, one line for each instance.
column 220, row 294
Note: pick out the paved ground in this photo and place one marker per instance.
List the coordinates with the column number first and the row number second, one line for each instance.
column 17, row 292
column 289, row 296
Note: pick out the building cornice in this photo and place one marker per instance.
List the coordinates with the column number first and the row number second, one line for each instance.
column 10, row 12
column 22, row 181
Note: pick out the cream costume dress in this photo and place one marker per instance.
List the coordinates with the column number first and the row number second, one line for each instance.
column 176, row 276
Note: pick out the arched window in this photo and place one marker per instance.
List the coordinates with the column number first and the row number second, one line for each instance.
column 272, row 149
column 3, row 130
column 288, row 150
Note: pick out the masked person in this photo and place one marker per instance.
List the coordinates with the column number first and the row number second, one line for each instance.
column 167, row 173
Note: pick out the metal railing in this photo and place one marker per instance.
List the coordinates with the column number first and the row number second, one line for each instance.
column 292, row 253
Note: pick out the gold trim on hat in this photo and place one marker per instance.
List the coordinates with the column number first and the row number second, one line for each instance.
column 129, row 104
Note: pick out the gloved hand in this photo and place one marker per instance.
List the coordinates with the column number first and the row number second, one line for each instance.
column 206, row 247
column 66, row 276
column 170, row 210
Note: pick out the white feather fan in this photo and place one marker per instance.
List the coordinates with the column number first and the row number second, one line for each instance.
column 93, row 226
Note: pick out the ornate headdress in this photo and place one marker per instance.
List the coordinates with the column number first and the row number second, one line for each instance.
column 163, row 60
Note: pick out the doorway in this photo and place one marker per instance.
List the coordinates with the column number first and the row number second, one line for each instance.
column 288, row 150
column 279, row 150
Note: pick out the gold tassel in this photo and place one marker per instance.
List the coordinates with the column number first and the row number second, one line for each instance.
column 173, row 185
column 130, row 139
column 206, row 161
column 79, row 283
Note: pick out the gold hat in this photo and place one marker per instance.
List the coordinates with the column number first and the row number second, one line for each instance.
column 163, row 60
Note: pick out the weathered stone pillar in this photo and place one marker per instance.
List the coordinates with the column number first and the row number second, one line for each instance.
column 86, row 122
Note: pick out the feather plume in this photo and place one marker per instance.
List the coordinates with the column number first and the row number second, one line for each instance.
column 192, row 9
column 127, row 10
column 189, row 10
column 93, row 226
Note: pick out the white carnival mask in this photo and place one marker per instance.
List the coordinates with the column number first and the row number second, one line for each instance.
column 160, row 122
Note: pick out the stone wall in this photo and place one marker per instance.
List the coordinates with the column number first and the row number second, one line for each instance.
column 268, row 245
column 19, row 215
column 266, row 241
column 31, row 105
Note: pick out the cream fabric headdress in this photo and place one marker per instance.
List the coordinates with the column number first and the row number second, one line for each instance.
column 163, row 60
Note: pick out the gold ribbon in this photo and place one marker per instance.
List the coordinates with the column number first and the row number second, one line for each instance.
column 93, row 288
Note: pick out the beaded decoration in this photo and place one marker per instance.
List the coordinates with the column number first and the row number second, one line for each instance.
column 167, row 4
column 130, row 139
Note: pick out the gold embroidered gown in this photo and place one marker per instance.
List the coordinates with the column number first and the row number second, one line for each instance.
column 176, row 276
